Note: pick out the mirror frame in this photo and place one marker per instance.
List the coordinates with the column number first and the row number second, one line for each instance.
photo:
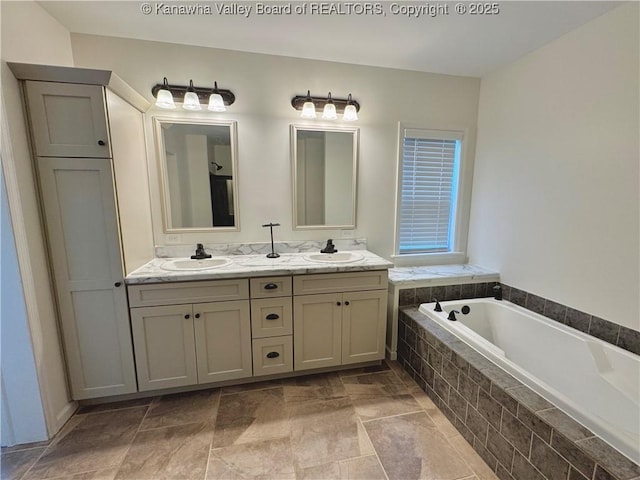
column 158, row 121
column 294, row 173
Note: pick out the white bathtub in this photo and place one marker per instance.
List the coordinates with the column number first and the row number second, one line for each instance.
column 594, row 382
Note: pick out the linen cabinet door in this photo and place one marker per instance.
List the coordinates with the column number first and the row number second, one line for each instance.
column 317, row 331
column 223, row 340
column 164, row 346
column 68, row 119
column 364, row 321
column 84, row 247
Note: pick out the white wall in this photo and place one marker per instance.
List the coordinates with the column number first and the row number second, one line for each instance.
column 555, row 205
column 264, row 86
column 31, row 35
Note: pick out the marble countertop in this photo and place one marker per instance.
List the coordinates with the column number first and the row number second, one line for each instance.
column 440, row 274
column 254, row 266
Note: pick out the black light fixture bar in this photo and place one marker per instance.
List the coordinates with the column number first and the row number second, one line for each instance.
column 319, row 102
column 203, row 93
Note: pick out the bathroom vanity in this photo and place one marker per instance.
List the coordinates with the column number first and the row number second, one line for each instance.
column 255, row 317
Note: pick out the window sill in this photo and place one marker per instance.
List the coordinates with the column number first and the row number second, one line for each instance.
column 419, row 259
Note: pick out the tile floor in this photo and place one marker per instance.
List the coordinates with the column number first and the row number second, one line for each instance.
column 370, row 423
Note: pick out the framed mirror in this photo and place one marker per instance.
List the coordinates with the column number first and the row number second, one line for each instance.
column 198, row 174
column 324, row 170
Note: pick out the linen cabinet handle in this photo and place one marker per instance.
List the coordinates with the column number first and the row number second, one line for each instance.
column 273, row 355
column 272, row 316
column 270, row 286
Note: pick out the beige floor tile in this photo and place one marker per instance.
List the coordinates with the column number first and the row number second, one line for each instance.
column 251, row 417
column 266, row 460
column 104, row 407
column 98, row 441
column 379, row 406
column 250, row 387
column 361, row 468
column 104, row 474
column 15, row 463
column 480, row 468
column 182, row 408
column 166, row 453
column 410, row 446
column 312, row 388
column 325, row 432
column 364, row 370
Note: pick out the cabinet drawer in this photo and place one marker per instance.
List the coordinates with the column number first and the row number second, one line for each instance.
column 339, row 282
column 266, row 287
column 272, row 355
column 188, row 292
column 271, row 317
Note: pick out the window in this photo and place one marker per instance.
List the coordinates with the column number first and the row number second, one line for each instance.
column 428, row 189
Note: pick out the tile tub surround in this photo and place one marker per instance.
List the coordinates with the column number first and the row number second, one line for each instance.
column 416, row 285
column 368, row 423
column 519, row 434
column 605, row 330
column 255, row 265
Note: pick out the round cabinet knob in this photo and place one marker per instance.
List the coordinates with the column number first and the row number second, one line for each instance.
column 338, row 303
column 197, row 315
column 346, row 303
column 101, row 143
column 187, row 316
column 117, row 284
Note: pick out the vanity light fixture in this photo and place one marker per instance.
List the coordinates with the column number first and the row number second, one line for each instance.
column 192, row 97
column 329, row 106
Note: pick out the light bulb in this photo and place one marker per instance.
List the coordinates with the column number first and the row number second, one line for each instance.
column 216, row 103
column 308, row 110
column 191, row 101
column 329, row 112
column 165, row 99
column 350, row 114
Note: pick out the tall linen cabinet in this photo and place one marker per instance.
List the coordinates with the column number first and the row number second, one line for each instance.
column 87, row 140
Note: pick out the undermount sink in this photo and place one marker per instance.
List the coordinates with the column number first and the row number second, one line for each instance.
column 340, row 257
column 187, row 264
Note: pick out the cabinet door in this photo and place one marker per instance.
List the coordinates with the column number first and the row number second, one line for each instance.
column 364, row 320
column 317, row 331
column 84, row 246
column 223, row 340
column 68, row 120
column 164, row 346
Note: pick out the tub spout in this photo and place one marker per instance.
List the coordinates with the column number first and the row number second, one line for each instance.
column 497, row 292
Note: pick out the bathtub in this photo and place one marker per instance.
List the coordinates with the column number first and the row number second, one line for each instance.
column 594, row 382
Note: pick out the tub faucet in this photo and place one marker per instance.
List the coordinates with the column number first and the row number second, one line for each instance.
column 437, row 308
column 200, row 253
column 452, row 315
column 497, row 292
column 329, row 248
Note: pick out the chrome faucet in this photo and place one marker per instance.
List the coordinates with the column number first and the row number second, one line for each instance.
column 329, row 248
column 200, row 253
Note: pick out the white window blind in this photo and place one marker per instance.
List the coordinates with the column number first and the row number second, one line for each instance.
column 428, row 191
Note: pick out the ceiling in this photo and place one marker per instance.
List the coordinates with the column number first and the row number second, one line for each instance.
column 455, row 44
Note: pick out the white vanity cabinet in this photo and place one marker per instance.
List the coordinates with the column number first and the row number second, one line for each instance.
column 271, row 325
column 339, row 319
column 191, row 332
